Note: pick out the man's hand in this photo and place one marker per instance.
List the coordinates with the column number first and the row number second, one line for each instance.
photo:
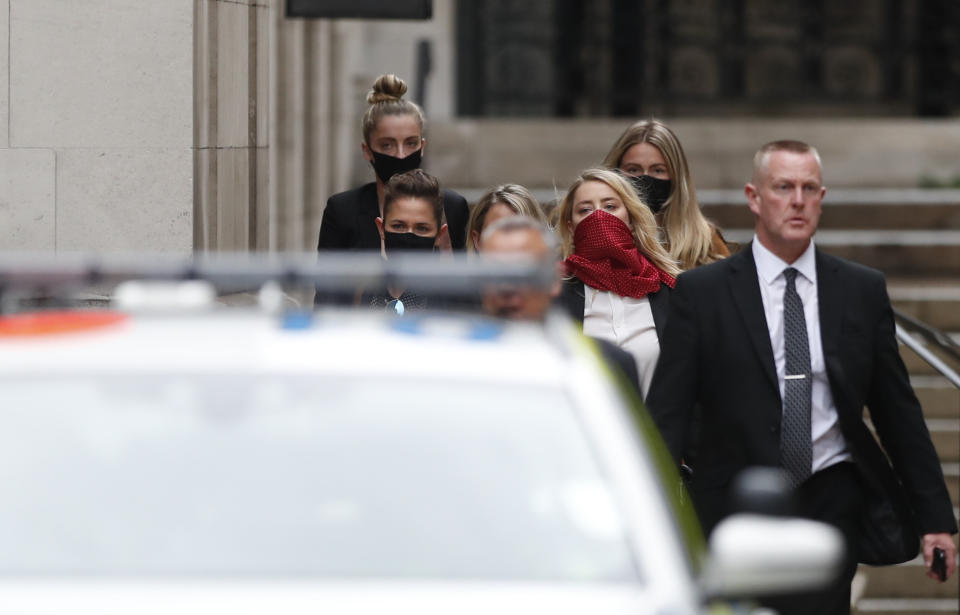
column 945, row 542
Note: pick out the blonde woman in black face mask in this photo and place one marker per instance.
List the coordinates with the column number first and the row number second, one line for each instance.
column 650, row 155
column 393, row 143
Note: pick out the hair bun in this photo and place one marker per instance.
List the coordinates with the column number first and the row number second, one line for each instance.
column 386, row 88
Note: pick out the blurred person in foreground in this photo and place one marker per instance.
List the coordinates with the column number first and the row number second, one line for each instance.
column 651, row 156
column 783, row 346
column 412, row 222
column 619, row 277
column 500, row 202
column 519, row 238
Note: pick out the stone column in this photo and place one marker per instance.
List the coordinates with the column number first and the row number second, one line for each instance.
column 277, row 108
column 262, row 109
column 231, row 85
column 303, row 128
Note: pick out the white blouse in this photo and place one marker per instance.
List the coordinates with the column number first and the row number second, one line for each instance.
column 626, row 322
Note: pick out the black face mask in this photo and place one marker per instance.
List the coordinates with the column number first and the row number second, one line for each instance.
column 652, row 191
column 407, row 242
column 386, row 166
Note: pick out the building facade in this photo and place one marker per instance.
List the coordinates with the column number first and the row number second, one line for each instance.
column 133, row 125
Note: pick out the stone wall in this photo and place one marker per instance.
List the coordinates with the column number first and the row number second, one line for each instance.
column 541, row 154
column 221, row 125
column 96, row 130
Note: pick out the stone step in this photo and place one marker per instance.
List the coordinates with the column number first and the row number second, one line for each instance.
column 907, row 580
column 862, row 208
column 908, row 606
column 939, row 398
column 917, row 366
column 535, row 152
column 857, row 209
column 935, row 301
column 922, row 253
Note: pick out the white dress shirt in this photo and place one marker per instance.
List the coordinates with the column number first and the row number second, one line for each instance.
column 626, row 322
column 829, row 447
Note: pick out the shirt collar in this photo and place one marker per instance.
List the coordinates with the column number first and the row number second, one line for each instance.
column 769, row 265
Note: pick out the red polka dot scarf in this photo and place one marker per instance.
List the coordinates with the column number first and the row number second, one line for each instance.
column 606, row 258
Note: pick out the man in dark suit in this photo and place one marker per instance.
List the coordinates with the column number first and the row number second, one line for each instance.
column 782, row 346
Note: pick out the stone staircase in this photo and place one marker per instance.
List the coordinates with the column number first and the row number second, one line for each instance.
column 904, row 233
column 914, row 238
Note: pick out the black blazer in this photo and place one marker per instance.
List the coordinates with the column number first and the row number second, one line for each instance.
column 716, row 352
column 572, row 300
column 348, row 220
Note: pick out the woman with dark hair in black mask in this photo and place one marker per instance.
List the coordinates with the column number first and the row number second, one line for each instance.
column 393, row 143
column 412, row 221
column 650, row 155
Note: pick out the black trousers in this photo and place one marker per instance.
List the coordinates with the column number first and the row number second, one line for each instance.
column 833, row 496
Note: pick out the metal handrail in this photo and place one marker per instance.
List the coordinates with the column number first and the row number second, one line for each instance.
column 934, row 336
column 931, row 334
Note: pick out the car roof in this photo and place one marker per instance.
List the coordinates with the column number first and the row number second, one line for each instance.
column 434, row 345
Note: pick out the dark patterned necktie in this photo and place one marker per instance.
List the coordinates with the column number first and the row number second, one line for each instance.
column 796, row 449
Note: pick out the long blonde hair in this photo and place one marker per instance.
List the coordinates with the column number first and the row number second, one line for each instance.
column 687, row 234
column 642, row 221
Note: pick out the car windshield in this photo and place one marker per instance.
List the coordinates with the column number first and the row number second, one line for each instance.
column 301, row 475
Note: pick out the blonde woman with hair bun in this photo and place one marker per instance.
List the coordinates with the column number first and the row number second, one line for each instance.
column 619, row 276
column 497, row 203
column 651, row 156
column 393, row 142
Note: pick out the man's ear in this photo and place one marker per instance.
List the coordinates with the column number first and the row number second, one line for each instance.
column 367, row 152
column 753, row 198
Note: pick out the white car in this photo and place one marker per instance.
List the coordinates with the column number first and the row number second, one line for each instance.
column 260, row 461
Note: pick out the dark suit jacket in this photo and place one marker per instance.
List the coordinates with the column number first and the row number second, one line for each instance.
column 572, row 300
column 716, row 352
column 348, row 221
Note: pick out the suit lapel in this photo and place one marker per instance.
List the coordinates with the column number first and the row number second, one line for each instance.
column 830, row 300
column 745, row 287
column 660, row 307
